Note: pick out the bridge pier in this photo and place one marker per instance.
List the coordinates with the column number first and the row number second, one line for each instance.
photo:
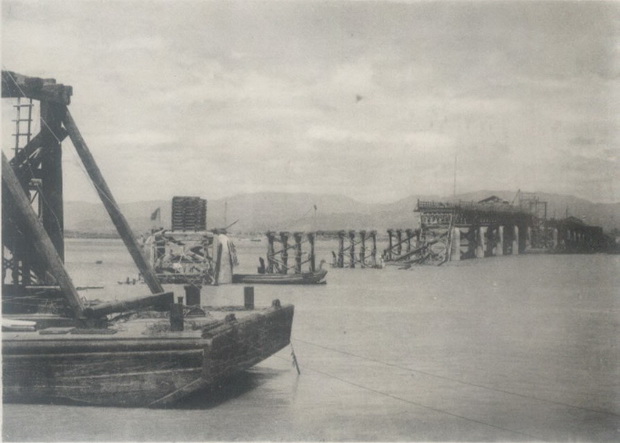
column 500, row 241
column 515, row 240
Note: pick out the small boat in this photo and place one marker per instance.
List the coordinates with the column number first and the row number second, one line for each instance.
column 304, row 278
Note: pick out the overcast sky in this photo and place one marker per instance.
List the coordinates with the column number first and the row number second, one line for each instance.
column 372, row 100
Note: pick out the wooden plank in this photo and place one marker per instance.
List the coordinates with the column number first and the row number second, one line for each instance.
column 122, row 226
column 41, row 239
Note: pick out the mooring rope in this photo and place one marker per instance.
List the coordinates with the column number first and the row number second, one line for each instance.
column 413, row 403
column 443, row 377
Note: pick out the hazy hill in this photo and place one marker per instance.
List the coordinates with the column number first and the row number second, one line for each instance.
column 260, row 212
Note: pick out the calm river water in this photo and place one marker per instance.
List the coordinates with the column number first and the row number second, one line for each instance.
column 512, row 348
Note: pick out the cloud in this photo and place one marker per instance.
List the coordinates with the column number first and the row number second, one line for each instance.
column 230, row 96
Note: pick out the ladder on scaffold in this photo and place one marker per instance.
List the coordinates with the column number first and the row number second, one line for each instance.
column 23, row 123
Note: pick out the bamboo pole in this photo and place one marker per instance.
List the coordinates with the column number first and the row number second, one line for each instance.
column 111, row 206
column 40, row 238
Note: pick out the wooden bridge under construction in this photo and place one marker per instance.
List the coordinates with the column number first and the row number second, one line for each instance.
column 453, row 231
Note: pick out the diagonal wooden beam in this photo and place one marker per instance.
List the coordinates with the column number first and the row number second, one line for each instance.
column 111, row 206
column 40, row 238
column 31, row 148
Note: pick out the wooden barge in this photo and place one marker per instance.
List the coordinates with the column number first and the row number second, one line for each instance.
column 88, row 352
column 129, row 368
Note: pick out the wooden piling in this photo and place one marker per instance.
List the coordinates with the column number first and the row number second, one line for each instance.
column 192, row 295
column 176, row 316
column 284, row 254
column 312, row 257
column 373, row 251
column 389, row 251
column 363, row 249
column 297, row 237
column 270, row 252
column 248, row 297
column 341, row 249
column 352, row 248
column 409, row 233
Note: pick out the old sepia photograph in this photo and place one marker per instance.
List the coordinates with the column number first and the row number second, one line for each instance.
column 310, row 220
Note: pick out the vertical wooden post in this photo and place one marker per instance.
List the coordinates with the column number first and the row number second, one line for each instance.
column 176, row 316
column 298, row 251
column 389, row 251
column 270, row 252
column 40, row 238
column 110, row 204
column 284, row 240
column 192, row 295
column 352, row 249
column 363, row 249
column 399, row 237
column 51, row 174
column 248, row 297
column 312, row 257
column 341, row 249
column 373, row 251
column 409, row 234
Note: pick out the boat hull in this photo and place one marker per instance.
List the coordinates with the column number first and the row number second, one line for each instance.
column 306, row 278
column 137, row 371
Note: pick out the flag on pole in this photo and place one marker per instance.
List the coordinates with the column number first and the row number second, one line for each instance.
column 155, row 215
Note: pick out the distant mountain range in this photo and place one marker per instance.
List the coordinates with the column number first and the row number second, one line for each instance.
column 260, row 212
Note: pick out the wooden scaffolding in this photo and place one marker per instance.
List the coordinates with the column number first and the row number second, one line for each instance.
column 32, row 202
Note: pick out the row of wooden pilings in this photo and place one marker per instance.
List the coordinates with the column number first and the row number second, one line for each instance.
column 460, row 242
column 278, row 247
column 347, row 255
